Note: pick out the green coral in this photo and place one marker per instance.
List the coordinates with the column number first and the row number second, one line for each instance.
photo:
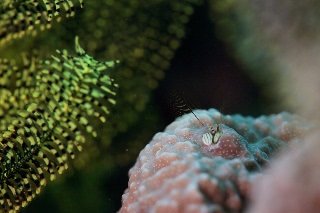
column 62, row 96
column 143, row 35
column 20, row 17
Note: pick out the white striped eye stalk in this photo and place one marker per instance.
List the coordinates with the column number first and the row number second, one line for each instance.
column 213, row 136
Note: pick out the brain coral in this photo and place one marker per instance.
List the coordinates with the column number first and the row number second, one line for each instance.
column 177, row 172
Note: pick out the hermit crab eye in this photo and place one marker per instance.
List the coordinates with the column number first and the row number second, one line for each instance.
column 207, row 138
column 216, row 137
column 213, row 136
column 217, row 134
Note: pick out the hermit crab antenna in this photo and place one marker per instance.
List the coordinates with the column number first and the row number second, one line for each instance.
column 197, row 117
column 182, row 105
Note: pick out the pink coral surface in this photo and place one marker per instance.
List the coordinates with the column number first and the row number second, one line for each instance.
column 292, row 183
column 177, row 172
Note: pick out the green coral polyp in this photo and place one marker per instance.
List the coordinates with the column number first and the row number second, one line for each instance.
column 40, row 138
column 20, row 17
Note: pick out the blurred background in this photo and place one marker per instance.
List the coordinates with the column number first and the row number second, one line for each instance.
column 228, row 55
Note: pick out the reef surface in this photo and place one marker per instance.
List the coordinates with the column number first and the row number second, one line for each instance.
column 178, row 172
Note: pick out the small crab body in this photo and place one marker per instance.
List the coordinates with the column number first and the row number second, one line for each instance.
column 225, row 142
column 213, row 136
column 215, row 139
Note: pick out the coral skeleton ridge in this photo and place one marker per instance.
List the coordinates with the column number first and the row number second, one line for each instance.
column 177, row 172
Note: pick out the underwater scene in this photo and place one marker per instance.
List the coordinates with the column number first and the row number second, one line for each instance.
column 206, row 106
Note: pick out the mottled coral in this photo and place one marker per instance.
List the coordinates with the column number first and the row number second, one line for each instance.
column 177, row 172
column 236, row 25
column 292, row 183
column 277, row 41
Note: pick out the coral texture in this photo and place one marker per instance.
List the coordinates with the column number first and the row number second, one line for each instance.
column 294, row 189
column 45, row 116
column 18, row 18
column 144, row 36
column 177, row 172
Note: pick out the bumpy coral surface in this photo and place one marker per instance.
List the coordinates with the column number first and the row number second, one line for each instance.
column 177, row 172
column 292, row 183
